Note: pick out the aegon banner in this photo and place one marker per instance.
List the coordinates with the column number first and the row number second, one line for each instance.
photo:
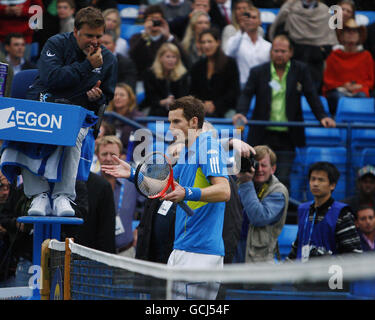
column 41, row 122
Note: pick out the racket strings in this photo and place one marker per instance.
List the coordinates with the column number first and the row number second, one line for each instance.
column 153, row 176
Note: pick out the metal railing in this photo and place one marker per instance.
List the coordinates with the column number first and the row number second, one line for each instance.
column 141, row 122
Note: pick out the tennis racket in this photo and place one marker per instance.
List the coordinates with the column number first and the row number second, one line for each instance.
column 154, row 177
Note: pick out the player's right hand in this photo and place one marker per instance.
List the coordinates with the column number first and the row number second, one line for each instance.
column 95, row 57
column 120, row 169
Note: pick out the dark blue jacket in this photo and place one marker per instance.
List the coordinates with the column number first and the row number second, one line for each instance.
column 323, row 233
column 64, row 72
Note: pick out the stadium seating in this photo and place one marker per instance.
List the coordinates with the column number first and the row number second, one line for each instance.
column 34, row 51
column 367, row 157
column 297, row 176
column 363, row 138
column 286, row 238
column 323, row 137
column 306, row 110
column 335, row 155
column 355, row 110
column 127, row 30
column 21, row 82
column 128, row 12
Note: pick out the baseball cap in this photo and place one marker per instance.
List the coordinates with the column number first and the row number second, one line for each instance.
column 366, row 170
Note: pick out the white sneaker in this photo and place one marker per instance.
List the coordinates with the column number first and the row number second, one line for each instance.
column 62, row 207
column 40, row 206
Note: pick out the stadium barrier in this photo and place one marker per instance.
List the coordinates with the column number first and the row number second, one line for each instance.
column 74, row 272
column 351, row 138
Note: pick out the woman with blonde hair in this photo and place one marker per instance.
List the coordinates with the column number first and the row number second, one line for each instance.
column 199, row 21
column 125, row 104
column 165, row 81
column 113, row 22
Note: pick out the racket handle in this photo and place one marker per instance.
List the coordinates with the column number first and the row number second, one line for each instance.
column 186, row 208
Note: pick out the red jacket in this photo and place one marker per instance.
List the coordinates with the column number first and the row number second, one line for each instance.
column 342, row 67
column 12, row 23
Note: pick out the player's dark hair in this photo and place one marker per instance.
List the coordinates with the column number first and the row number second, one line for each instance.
column 91, row 16
column 192, row 107
column 332, row 172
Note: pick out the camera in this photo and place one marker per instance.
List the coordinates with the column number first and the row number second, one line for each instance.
column 246, row 14
column 248, row 163
column 156, row 23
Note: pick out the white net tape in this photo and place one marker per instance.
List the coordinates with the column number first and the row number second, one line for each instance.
column 354, row 267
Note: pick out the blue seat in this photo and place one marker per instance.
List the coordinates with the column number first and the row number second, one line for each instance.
column 298, row 176
column 355, row 110
column 34, row 51
column 128, row 12
column 363, row 138
column 306, row 110
column 335, row 155
column 21, row 83
column 323, row 136
column 367, row 157
column 286, row 238
column 128, row 30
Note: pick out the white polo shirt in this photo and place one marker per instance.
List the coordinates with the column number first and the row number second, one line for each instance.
column 247, row 53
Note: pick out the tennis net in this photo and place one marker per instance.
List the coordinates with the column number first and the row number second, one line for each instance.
column 92, row 274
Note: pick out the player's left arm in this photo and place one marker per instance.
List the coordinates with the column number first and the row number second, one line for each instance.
column 218, row 191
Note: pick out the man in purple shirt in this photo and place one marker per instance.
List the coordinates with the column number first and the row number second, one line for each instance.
column 365, row 223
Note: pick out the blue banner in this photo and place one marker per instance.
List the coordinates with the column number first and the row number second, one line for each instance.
column 40, row 122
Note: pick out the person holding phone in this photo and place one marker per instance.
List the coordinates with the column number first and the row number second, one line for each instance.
column 144, row 45
column 247, row 46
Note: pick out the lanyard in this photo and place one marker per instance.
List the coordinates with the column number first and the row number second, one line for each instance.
column 311, row 228
column 121, row 196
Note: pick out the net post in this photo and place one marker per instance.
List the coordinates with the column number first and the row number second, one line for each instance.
column 169, row 289
column 45, row 276
column 68, row 254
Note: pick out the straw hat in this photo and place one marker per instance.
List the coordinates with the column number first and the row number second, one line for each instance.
column 352, row 24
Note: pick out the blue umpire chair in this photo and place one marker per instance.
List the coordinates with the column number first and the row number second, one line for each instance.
column 25, row 114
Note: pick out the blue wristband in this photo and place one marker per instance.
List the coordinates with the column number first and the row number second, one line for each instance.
column 192, row 194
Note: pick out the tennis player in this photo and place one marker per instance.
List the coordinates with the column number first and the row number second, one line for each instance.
column 201, row 180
